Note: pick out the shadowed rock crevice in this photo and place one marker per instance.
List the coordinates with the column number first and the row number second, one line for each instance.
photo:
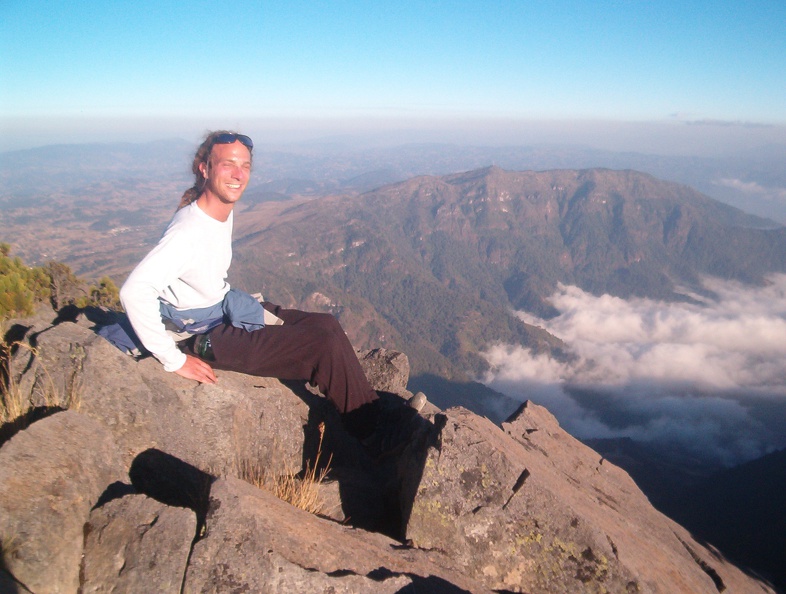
column 705, row 567
column 8, row 430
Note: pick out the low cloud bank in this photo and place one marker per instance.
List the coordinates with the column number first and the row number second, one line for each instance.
column 752, row 188
column 707, row 378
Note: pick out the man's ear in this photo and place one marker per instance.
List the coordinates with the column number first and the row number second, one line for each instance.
column 203, row 169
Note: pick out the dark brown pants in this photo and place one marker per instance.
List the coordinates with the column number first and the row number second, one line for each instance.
column 307, row 346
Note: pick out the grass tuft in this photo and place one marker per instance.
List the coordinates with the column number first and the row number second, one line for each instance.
column 299, row 489
column 17, row 408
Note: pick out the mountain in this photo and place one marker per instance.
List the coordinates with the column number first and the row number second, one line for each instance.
column 434, row 265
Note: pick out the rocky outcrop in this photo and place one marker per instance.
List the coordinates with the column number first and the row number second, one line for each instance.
column 133, row 542
column 138, row 488
column 51, row 475
column 532, row 509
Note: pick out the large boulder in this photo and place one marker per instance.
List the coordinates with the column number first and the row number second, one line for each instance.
column 387, row 371
column 214, row 427
column 531, row 509
column 257, row 543
column 51, row 475
column 136, row 544
column 130, row 482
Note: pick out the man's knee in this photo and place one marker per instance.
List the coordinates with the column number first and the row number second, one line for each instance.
column 328, row 322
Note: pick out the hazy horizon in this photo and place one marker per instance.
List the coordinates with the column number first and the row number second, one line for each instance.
column 668, row 137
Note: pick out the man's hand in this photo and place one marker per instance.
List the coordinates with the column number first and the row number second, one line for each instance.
column 196, row 369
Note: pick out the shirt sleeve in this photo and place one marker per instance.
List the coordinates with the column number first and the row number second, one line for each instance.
column 139, row 296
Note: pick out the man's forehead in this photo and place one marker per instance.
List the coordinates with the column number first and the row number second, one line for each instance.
column 236, row 151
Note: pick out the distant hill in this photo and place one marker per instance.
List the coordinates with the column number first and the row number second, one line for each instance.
column 434, row 265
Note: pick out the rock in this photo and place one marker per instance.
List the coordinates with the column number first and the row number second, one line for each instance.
column 387, row 371
column 522, row 508
column 257, row 543
column 136, row 544
column 51, row 475
column 531, row 509
column 214, row 427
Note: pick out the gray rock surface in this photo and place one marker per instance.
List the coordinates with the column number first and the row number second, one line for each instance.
column 215, row 427
column 531, row 509
column 257, row 543
column 148, row 461
column 51, row 475
column 388, row 371
column 136, row 544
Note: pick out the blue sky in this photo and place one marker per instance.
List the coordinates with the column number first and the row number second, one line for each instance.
column 106, row 69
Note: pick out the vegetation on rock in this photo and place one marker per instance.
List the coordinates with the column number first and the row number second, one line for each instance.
column 22, row 287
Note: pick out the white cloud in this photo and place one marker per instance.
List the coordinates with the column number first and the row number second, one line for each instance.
column 753, row 188
column 697, row 375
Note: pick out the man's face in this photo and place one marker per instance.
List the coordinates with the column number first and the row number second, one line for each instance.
column 227, row 171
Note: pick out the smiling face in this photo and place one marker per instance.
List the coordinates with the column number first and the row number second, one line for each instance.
column 227, row 172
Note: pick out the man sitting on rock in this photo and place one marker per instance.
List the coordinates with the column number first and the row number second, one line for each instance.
column 181, row 284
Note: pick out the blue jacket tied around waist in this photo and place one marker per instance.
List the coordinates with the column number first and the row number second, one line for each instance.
column 238, row 308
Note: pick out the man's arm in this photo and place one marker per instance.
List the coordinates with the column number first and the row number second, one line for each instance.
column 139, row 296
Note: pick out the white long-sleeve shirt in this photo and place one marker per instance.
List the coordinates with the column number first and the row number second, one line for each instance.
column 188, row 269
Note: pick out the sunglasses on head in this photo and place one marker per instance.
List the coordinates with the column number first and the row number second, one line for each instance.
column 229, row 138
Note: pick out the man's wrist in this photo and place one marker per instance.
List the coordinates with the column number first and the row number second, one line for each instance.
column 175, row 362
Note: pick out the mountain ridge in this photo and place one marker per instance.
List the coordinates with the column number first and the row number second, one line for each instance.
column 453, row 255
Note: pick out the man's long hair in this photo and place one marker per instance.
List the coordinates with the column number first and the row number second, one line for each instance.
column 202, row 156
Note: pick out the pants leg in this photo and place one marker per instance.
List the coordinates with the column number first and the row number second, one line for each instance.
column 308, row 346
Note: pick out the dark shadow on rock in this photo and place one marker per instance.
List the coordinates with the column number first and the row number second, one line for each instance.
column 172, row 481
column 376, row 496
column 15, row 334
column 67, row 313
column 10, row 345
column 412, row 475
column 327, row 444
column 22, row 422
column 116, row 490
column 431, row 584
column 8, row 585
column 379, row 495
column 8, row 348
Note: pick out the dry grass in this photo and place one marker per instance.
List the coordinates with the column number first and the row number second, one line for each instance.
column 300, row 491
column 15, row 404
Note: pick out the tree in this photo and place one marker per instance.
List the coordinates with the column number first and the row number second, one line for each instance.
column 105, row 294
column 21, row 287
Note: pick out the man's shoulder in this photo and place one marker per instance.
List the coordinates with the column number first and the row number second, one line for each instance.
column 186, row 218
column 193, row 216
column 184, row 227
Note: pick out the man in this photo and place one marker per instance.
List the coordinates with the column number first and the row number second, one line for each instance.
column 182, row 283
